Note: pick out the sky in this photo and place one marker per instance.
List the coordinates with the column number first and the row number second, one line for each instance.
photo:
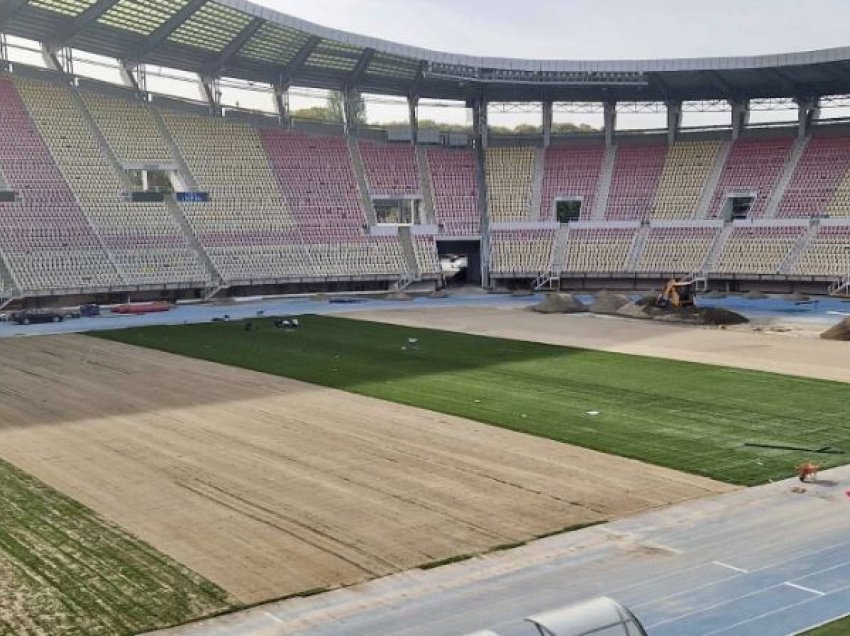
column 569, row 29
column 590, row 29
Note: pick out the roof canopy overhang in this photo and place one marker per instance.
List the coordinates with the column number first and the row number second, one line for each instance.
column 240, row 39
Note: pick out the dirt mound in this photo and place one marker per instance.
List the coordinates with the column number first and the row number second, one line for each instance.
column 560, row 304
column 756, row 295
column 634, row 310
column 718, row 317
column 608, row 303
column 712, row 316
column 797, row 297
column 840, row 332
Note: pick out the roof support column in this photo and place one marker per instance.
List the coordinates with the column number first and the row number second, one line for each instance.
column 51, row 59
column 808, row 112
column 610, row 116
column 740, row 117
column 674, row 121
column 480, row 121
column 212, row 93
column 413, row 114
column 281, row 104
column 548, row 108
column 128, row 77
column 350, row 106
column 4, row 51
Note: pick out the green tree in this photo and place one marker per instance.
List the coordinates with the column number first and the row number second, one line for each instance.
column 336, row 108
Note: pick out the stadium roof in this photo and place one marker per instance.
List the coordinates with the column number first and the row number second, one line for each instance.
column 244, row 40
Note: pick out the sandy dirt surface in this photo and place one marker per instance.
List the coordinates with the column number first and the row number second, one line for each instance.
column 268, row 486
column 743, row 347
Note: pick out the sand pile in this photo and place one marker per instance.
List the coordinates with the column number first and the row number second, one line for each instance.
column 560, row 304
column 608, row 303
column 719, row 317
column 635, row 310
column 840, row 332
column 756, row 295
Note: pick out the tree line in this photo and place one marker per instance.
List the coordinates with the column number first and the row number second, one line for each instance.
column 334, row 112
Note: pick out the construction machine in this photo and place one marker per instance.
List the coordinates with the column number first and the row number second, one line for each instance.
column 678, row 293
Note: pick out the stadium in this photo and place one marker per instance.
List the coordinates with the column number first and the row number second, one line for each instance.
column 313, row 374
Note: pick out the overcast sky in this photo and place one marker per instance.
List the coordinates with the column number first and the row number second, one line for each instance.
column 589, row 29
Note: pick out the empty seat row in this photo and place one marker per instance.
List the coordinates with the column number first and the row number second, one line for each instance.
column 522, row 252
column 509, row 182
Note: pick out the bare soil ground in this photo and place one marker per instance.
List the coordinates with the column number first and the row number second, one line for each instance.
column 268, row 486
column 759, row 348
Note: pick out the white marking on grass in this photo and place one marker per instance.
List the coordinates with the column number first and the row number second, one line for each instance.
column 805, row 589
column 731, row 567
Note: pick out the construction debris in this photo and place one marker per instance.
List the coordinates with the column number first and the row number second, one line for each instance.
column 560, row 304
column 840, row 332
column 608, row 303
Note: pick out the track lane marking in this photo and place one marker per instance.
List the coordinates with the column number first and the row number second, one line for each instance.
column 805, row 589
column 777, row 611
column 731, row 567
column 753, row 593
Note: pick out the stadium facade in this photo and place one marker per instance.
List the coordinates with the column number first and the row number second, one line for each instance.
column 108, row 189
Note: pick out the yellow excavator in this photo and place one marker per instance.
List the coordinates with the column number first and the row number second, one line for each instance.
column 677, row 293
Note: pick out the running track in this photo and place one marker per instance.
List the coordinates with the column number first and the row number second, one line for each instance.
column 760, row 562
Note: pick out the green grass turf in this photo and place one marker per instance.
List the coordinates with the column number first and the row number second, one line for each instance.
column 687, row 416
column 838, row 628
column 63, row 570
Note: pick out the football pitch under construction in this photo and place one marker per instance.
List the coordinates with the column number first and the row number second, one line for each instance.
column 262, row 464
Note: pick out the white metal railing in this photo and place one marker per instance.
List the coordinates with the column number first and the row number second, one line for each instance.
column 841, row 287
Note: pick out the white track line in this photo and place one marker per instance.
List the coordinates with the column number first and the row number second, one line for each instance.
column 764, row 568
column 731, row 567
column 771, row 613
column 805, row 589
column 753, row 593
column 274, row 618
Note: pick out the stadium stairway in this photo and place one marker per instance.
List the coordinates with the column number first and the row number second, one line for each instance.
column 713, row 181
column 362, row 186
column 787, row 266
column 190, row 180
column 535, row 211
column 9, row 286
column 409, row 252
column 214, row 276
column 717, row 249
column 604, row 189
column 559, row 254
column 429, row 216
column 787, row 174
column 637, row 248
